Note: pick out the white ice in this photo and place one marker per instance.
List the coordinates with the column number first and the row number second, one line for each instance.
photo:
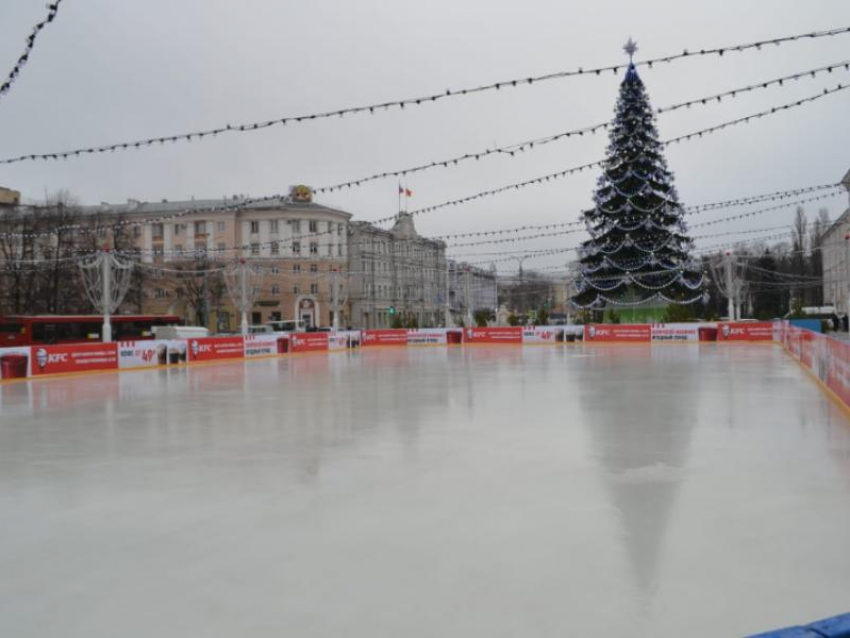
column 480, row 492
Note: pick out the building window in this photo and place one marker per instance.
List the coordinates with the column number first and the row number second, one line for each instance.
column 314, row 289
column 220, row 227
column 273, row 227
column 314, row 267
column 339, row 250
column 275, row 290
column 255, row 249
column 296, row 225
column 339, row 229
column 178, row 248
column 157, row 231
column 255, row 228
column 221, row 247
column 296, row 289
column 137, row 231
column 200, row 247
column 177, row 229
column 314, row 226
column 296, row 247
column 275, row 270
column 330, row 250
column 201, row 228
column 275, row 248
column 296, row 269
column 314, row 248
column 160, row 293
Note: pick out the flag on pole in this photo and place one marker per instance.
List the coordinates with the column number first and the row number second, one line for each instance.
column 400, row 190
column 408, row 192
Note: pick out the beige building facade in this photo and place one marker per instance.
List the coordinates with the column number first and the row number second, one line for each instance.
column 300, row 247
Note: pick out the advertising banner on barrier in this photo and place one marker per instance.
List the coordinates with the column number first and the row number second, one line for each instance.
column 437, row 336
column 14, row 362
column 308, row 341
column 76, row 357
column 337, row 341
column 675, row 331
column 384, row 338
column 507, row 334
column 213, row 348
column 353, row 337
column 260, row 345
column 543, row 334
column 745, row 331
column 147, row 353
column 617, row 333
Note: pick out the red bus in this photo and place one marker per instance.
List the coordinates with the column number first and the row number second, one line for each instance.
column 20, row 330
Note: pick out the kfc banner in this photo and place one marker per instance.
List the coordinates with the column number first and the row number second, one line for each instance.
column 617, row 333
column 213, row 348
column 745, row 331
column 676, row 331
column 14, row 363
column 260, row 345
column 508, row 334
column 543, row 334
column 308, row 341
column 78, row 357
column 426, row 337
column 384, row 337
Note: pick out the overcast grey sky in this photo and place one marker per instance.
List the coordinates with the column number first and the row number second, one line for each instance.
column 111, row 70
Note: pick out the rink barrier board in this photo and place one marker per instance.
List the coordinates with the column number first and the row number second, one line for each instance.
column 539, row 335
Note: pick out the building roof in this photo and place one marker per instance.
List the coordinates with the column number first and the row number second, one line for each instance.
column 165, row 207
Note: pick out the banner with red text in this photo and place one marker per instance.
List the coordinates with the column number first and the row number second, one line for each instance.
column 745, row 331
column 507, row 334
column 260, row 345
column 424, row 337
column 77, row 357
column 676, row 331
column 308, row 341
column 384, row 338
column 543, row 334
column 617, row 333
column 213, row 348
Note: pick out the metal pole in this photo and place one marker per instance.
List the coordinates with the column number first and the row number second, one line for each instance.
column 468, row 299
column 243, row 276
column 729, row 291
column 335, row 299
column 847, row 278
column 105, row 259
column 448, row 307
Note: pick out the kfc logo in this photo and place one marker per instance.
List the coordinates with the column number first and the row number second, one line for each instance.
column 725, row 330
column 195, row 348
column 469, row 333
column 592, row 332
column 41, row 358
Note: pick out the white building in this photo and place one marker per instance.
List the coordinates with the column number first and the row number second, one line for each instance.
column 836, row 261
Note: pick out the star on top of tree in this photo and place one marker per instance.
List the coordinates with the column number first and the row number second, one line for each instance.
column 631, row 48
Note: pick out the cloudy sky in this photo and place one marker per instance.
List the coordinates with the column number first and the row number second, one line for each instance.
column 113, row 70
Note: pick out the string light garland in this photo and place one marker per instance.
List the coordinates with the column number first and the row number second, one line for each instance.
column 417, row 101
column 529, row 145
column 52, row 10
column 579, row 169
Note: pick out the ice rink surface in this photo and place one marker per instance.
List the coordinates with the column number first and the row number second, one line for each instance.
column 479, row 492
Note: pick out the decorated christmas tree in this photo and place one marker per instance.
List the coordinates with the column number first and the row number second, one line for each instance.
column 639, row 251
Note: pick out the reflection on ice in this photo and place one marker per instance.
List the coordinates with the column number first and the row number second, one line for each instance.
column 418, row 492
